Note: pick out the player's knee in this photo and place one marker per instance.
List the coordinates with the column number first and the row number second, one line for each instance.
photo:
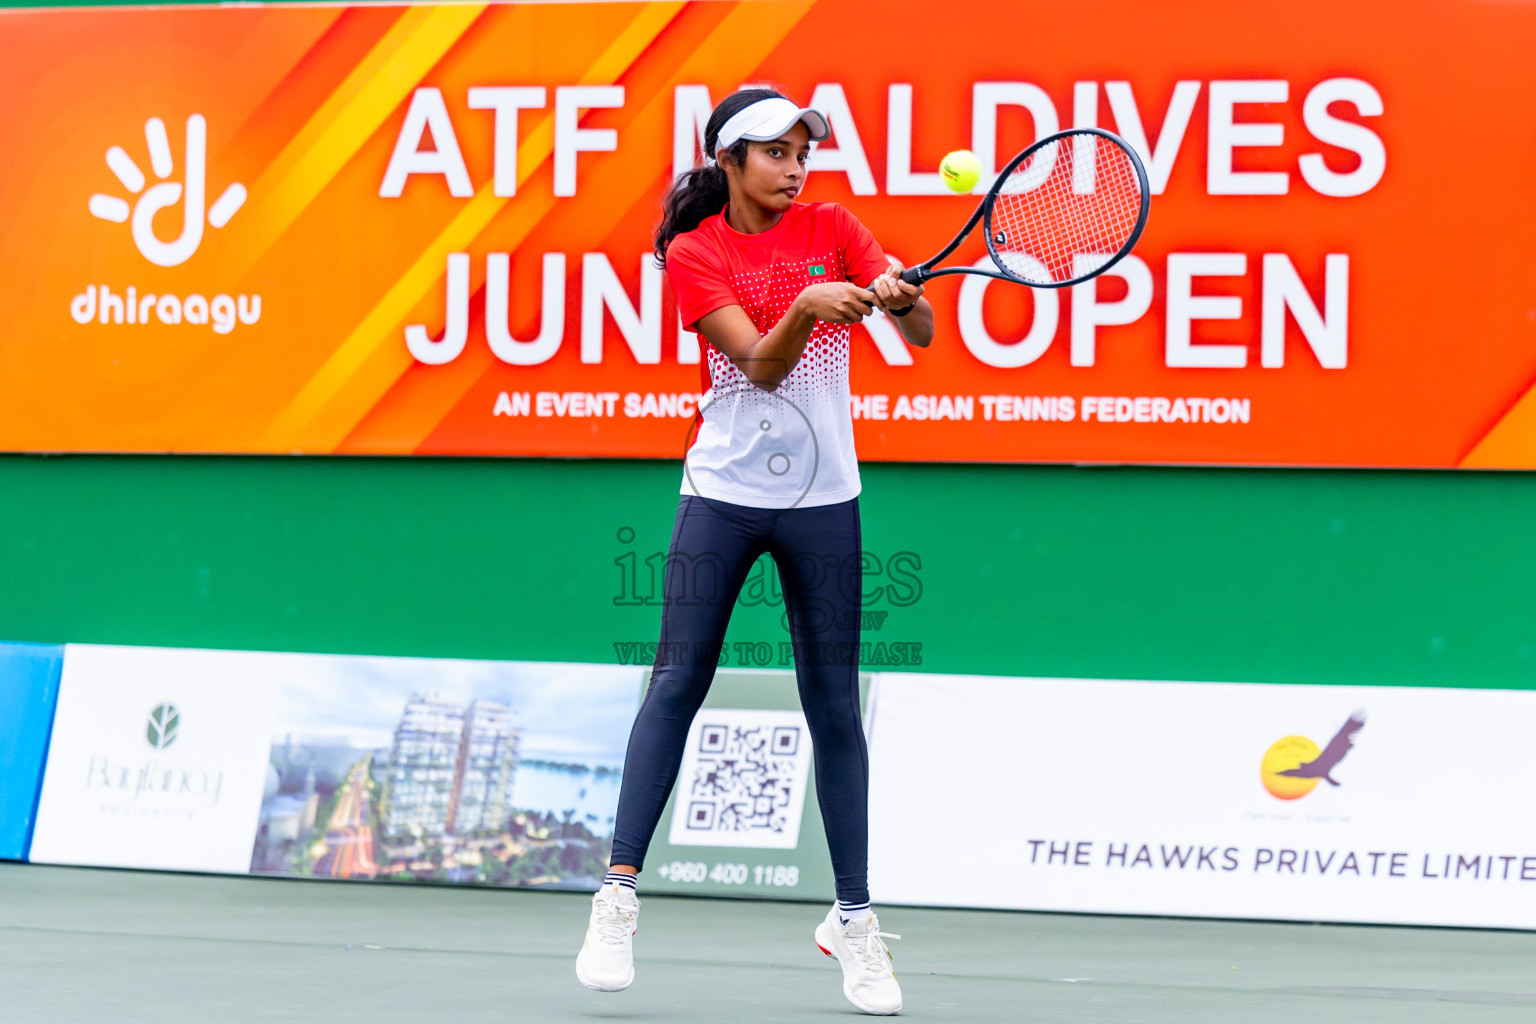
column 835, row 725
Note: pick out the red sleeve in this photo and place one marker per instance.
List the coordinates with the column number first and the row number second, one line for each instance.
column 863, row 259
column 697, row 280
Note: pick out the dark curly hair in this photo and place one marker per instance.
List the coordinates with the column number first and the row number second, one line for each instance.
column 702, row 192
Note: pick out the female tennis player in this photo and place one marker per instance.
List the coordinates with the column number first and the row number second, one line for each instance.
column 772, row 287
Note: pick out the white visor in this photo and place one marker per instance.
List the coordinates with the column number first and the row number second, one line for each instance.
column 769, row 119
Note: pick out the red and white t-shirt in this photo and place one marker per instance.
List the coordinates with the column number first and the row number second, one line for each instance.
column 793, row 446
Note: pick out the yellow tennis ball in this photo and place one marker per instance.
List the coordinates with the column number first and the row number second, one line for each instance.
column 960, row 170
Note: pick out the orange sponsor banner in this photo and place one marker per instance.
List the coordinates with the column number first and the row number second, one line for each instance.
column 426, row 229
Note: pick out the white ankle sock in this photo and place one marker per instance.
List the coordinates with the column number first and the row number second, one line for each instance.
column 620, row 878
column 851, row 912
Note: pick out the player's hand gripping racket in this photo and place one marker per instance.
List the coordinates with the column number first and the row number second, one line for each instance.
column 1065, row 210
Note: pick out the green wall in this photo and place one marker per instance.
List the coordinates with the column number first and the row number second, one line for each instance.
column 1263, row 575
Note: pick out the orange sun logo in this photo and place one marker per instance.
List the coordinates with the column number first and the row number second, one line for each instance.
column 1293, row 766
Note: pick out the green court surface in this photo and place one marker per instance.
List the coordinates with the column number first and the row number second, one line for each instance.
column 111, row 947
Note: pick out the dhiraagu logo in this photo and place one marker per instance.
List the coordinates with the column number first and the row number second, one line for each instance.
column 130, row 305
column 1293, row 765
column 190, row 192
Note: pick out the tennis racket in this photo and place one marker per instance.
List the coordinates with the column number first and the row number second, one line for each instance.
column 1064, row 210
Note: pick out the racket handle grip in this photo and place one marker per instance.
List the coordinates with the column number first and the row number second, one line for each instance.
column 912, row 275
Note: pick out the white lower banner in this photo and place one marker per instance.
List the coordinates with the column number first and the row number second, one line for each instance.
column 158, row 758
column 1324, row 803
column 338, row 766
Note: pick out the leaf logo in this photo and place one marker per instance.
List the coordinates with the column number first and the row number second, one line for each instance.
column 164, row 722
column 166, row 193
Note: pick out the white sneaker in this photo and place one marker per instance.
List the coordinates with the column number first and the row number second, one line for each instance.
column 606, row 962
column 868, row 980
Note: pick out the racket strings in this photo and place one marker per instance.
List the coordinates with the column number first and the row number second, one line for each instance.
column 1071, row 199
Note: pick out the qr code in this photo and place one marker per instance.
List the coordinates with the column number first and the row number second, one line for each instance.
column 743, row 780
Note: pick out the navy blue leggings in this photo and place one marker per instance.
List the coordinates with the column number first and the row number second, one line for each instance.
column 714, row 545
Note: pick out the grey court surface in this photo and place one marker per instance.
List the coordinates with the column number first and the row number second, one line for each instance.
column 109, row 947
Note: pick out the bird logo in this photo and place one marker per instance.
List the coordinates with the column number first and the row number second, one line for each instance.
column 1293, row 766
